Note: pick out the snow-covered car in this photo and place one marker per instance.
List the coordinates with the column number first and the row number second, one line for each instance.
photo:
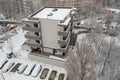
column 52, row 75
column 36, row 70
column 22, row 68
column 2, row 63
column 44, row 73
column 29, row 69
column 8, row 66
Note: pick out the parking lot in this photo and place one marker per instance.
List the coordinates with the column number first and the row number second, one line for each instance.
column 33, row 71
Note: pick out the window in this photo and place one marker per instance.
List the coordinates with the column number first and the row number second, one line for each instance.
column 27, row 25
column 54, row 51
column 35, row 25
column 38, row 41
column 63, row 54
column 36, row 33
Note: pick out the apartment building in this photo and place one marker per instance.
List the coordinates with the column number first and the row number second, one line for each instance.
column 49, row 30
column 27, row 6
column 72, row 3
column 17, row 6
column 22, row 6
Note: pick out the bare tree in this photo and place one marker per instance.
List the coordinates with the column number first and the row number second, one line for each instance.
column 110, row 64
column 98, row 28
column 97, row 40
column 87, row 9
column 118, row 18
column 81, row 62
column 46, row 2
column 107, row 58
column 108, row 54
column 109, row 19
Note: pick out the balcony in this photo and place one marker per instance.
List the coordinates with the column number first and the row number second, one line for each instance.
column 63, row 49
column 32, row 36
column 30, row 20
column 65, row 23
column 32, row 29
column 33, row 44
column 64, row 33
column 66, row 41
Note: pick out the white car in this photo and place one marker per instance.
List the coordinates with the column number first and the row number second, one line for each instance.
column 2, row 63
column 22, row 68
column 36, row 70
column 8, row 66
column 29, row 69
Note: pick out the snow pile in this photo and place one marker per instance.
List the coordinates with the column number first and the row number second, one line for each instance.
column 15, row 43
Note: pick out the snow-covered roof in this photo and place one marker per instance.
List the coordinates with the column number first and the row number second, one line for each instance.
column 53, row 13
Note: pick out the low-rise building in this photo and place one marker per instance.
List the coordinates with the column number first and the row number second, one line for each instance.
column 49, row 30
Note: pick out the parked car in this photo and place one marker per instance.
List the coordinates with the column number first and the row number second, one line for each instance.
column 2, row 63
column 10, row 55
column 14, row 69
column 8, row 66
column 52, row 75
column 29, row 69
column 22, row 68
column 36, row 70
column 44, row 73
column 61, row 76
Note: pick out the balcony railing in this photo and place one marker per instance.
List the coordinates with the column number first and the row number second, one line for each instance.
column 64, row 33
column 33, row 44
column 30, row 20
column 64, row 49
column 31, row 36
column 32, row 29
column 66, row 41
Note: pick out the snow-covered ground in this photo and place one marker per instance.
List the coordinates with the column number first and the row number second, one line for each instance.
column 15, row 76
column 14, row 45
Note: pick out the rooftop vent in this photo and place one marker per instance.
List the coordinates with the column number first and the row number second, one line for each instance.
column 55, row 9
column 50, row 14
